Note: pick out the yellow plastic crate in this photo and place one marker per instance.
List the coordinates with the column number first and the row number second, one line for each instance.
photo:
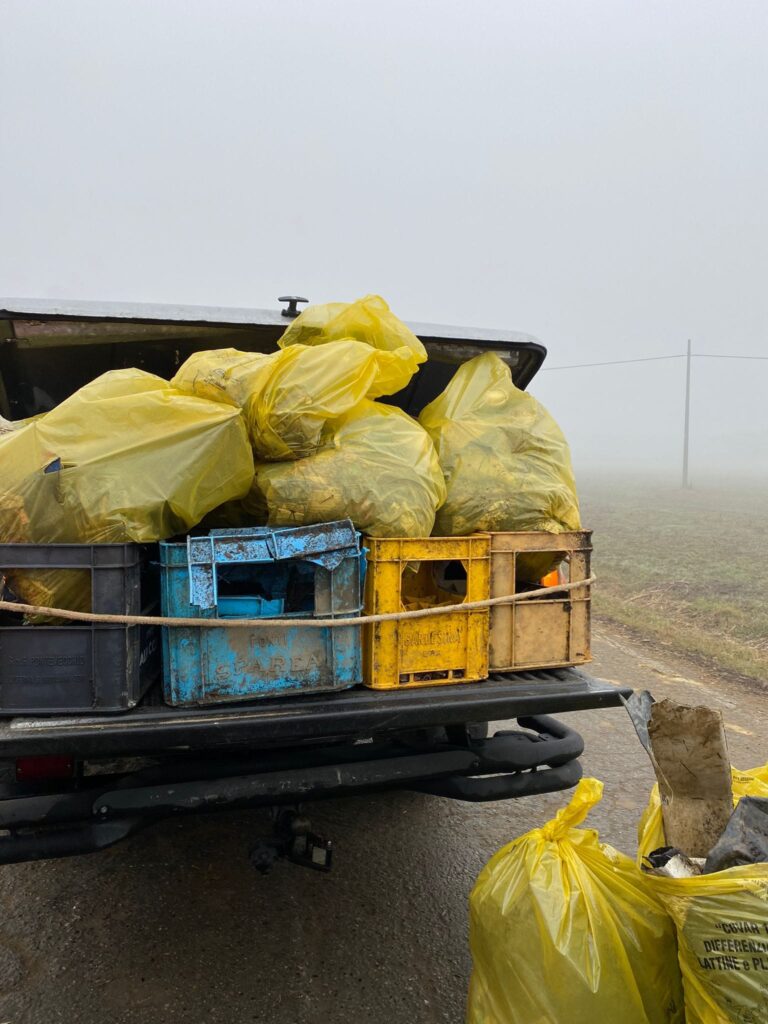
column 545, row 632
column 436, row 650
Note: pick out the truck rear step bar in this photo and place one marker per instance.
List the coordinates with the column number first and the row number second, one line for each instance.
column 107, row 808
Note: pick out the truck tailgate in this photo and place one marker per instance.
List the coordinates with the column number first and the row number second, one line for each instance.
column 349, row 715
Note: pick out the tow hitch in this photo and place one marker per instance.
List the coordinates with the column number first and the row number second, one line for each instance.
column 293, row 840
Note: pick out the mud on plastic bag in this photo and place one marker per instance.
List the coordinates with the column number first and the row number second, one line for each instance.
column 506, row 462
column 378, row 468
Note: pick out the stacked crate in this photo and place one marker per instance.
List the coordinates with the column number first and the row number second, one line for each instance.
column 307, row 572
column 434, row 650
column 466, row 645
column 55, row 666
column 551, row 631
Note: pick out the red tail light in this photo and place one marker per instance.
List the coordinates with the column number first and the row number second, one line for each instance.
column 35, row 769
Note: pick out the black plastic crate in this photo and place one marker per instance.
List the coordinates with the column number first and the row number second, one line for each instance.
column 84, row 667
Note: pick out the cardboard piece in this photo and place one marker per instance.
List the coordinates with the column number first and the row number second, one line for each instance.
column 690, row 758
column 689, row 754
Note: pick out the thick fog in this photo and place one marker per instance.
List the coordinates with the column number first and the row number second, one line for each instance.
column 593, row 173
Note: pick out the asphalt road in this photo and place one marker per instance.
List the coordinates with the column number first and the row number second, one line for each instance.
column 174, row 925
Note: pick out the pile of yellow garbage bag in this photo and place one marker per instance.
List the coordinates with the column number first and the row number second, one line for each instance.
column 289, row 396
column 567, row 930
column 324, row 449
column 295, row 436
column 125, row 458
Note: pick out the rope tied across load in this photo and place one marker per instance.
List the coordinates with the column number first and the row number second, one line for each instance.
column 360, row 620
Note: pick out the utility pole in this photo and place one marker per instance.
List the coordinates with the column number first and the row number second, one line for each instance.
column 686, row 428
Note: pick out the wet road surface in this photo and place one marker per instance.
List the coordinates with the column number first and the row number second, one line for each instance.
column 175, row 925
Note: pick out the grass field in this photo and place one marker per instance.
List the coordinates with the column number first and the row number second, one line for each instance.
column 686, row 568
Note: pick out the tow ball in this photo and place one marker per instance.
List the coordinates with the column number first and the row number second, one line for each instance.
column 293, row 840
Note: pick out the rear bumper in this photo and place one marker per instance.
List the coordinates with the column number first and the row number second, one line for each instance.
column 349, row 715
column 293, row 751
column 106, row 809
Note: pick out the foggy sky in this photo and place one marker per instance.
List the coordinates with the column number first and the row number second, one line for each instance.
column 593, row 173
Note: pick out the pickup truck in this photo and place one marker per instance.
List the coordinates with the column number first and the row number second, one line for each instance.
column 77, row 783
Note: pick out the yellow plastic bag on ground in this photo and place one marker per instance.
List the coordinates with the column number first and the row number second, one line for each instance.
column 506, row 463
column 722, row 924
column 564, row 930
column 125, row 458
column 287, row 397
column 722, row 936
column 370, row 320
column 378, row 469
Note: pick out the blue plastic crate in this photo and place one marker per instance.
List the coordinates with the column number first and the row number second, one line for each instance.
column 261, row 573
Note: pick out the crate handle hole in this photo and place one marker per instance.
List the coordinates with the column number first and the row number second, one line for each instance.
column 428, row 677
column 272, row 588
column 429, row 584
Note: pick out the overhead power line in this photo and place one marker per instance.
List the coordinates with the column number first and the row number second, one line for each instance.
column 649, row 359
column 613, row 362
column 712, row 355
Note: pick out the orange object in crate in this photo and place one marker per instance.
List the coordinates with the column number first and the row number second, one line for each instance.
column 435, row 650
column 551, row 579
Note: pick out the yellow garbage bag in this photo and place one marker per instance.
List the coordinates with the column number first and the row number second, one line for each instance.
column 505, row 460
column 224, row 375
column 564, row 930
column 288, row 396
column 722, row 925
column 125, row 458
column 378, row 469
column 370, row 320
